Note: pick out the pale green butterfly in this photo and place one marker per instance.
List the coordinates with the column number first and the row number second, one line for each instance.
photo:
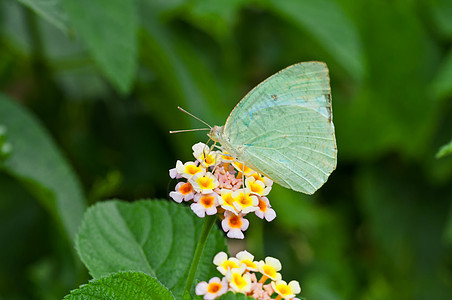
column 283, row 128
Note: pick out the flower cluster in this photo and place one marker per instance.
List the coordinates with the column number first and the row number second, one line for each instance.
column 240, row 277
column 217, row 183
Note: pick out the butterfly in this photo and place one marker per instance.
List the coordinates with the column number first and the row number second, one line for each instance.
column 283, row 128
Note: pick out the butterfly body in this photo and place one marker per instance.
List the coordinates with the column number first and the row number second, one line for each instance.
column 283, row 128
column 217, row 135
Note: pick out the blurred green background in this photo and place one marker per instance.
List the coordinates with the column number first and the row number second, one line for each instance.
column 89, row 91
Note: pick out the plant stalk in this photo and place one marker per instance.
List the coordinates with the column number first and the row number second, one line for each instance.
column 208, row 224
column 35, row 41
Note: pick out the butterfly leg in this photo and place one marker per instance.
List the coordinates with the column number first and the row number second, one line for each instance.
column 207, row 148
column 216, row 154
column 243, row 180
column 216, row 164
column 242, row 170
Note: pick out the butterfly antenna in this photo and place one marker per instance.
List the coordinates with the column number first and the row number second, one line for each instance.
column 188, row 130
column 183, row 110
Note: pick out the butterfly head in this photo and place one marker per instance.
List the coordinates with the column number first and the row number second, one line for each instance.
column 216, row 133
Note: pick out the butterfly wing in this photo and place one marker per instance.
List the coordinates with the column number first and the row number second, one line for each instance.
column 284, row 127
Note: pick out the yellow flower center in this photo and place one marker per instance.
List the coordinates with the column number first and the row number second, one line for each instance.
column 192, row 170
column 207, row 201
column 269, row 271
column 227, row 198
column 244, row 200
column 235, row 222
column 227, row 157
column 185, row 189
column 229, row 264
column 209, row 160
column 257, row 176
column 242, row 168
column 256, row 188
column 213, row 288
column 262, row 205
column 284, row 289
column 205, row 182
column 249, row 263
column 238, row 280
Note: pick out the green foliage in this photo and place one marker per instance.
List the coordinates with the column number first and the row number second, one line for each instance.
column 441, row 11
column 389, row 199
column 49, row 178
column 444, row 150
column 104, row 78
column 180, row 69
column 338, row 36
column 442, row 85
column 5, row 146
column 123, row 286
column 385, row 115
column 49, row 10
column 24, row 225
column 234, row 296
column 215, row 17
column 153, row 236
column 112, row 39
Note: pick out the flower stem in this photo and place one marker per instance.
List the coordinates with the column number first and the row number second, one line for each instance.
column 263, row 279
column 208, row 224
column 36, row 41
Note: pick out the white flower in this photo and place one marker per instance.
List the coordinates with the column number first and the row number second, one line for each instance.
column 184, row 191
column 204, row 183
column 286, row 291
column 270, row 268
column 247, row 171
column 213, row 289
column 265, row 210
column 189, row 169
column 204, row 154
column 227, row 201
column 267, row 181
column 239, row 281
column 173, row 173
column 244, row 202
column 205, row 204
column 247, row 259
column 224, row 264
column 257, row 187
column 234, row 225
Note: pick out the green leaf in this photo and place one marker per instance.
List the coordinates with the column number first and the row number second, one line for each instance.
column 441, row 11
column 441, row 86
column 123, row 285
column 327, row 22
column 36, row 161
column 389, row 118
column 299, row 215
column 216, row 17
column 447, row 236
column 109, row 29
column 183, row 73
column 444, row 150
column 234, row 296
column 156, row 237
column 49, row 10
column 186, row 296
column 404, row 223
